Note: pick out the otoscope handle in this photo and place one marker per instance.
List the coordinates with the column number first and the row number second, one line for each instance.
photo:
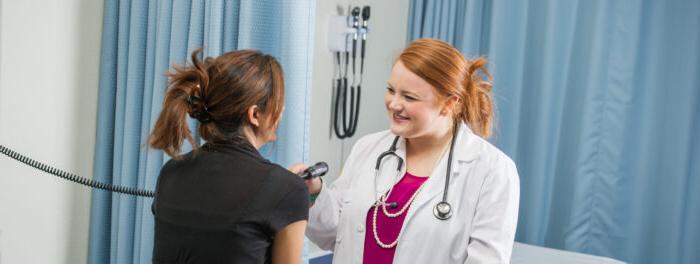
column 317, row 170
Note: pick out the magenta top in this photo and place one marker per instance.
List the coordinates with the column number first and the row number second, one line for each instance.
column 387, row 227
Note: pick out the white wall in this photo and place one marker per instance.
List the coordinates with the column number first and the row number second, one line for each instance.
column 49, row 60
column 388, row 25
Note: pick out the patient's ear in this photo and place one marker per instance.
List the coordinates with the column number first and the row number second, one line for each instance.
column 253, row 116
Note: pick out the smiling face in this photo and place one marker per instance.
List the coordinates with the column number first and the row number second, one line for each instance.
column 413, row 105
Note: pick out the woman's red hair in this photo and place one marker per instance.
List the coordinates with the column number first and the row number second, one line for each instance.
column 446, row 69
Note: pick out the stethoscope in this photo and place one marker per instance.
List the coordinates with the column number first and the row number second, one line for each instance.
column 443, row 209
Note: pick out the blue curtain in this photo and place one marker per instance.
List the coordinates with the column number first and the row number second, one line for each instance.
column 599, row 105
column 140, row 41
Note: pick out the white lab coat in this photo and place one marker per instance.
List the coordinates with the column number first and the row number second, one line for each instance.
column 484, row 193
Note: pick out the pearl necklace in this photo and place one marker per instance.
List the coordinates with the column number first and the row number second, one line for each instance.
column 381, row 202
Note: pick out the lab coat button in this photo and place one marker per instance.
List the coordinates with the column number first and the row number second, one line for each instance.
column 361, row 228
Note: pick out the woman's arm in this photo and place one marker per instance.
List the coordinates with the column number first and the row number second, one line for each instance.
column 288, row 244
column 324, row 214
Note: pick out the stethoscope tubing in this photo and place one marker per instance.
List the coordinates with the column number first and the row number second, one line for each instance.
column 443, row 209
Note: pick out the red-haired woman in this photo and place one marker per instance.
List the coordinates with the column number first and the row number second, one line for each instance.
column 430, row 189
column 223, row 202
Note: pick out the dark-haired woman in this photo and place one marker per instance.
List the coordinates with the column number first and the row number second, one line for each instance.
column 223, row 202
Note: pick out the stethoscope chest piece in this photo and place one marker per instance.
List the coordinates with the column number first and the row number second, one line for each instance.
column 442, row 210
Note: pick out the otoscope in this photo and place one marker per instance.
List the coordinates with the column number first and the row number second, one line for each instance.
column 317, row 170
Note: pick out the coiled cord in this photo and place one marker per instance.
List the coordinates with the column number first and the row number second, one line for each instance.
column 72, row 177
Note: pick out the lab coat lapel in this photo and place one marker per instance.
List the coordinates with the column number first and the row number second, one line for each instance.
column 387, row 175
column 434, row 186
column 464, row 151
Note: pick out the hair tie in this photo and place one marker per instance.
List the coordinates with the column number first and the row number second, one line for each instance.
column 198, row 109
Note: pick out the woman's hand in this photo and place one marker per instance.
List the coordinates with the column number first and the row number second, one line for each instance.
column 314, row 184
column 297, row 168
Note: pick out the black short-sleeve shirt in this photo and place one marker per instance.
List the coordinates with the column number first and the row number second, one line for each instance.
column 223, row 204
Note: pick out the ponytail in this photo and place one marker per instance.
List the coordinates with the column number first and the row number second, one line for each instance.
column 477, row 104
column 185, row 95
column 217, row 92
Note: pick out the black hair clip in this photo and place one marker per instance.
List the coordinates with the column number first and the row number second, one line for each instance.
column 198, row 109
